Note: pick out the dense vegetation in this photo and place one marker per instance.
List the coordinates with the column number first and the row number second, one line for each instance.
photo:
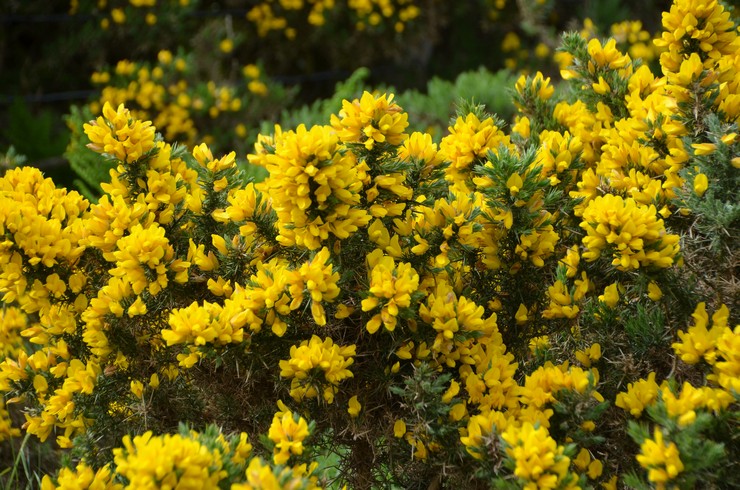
column 546, row 299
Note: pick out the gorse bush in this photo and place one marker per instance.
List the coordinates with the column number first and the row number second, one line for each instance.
column 545, row 307
column 189, row 101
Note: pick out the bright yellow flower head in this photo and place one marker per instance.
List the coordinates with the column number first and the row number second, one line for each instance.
column 421, row 147
column 539, row 461
column 629, row 233
column 115, row 133
column 200, row 325
column 699, row 342
column 318, row 279
column 82, row 477
column 606, row 56
column 703, row 27
column 146, row 252
column 288, row 431
column 150, row 462
column 371, row 120
column 314, row 186
column 333, row 360
column 468, row 143
column 639, row 395
column 561, row 302
column 662, row 460
column 354, row 407
column 451, row 315
column 204, row 157
column 391, row 286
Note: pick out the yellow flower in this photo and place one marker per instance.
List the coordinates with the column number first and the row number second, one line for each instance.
column 539, row 243
column 701, row 183
column 391, row 286
column 325, row 356
column 451, row 392
column 561, row 302
column 586, row 356
column 354, row 407
column 628, row 232
column 242, row 450
column 521, row 314
column 451, row 315
column 661, row 460
column 318, row 279
column 556, row 153
column 399, row 428
column 314, row 186
column 699, row 342
column 82, row 477
column 654, row 291
column 602, row 87
column 204, row 157
column 421, row 147
column 606, row 56
column 479, row 429
column 514, row 183
column 468, row 143
column 539, row 461
column 539, row 343
column 144, row 252
column 371, row 120
column 611, row 295
column 200, row 325
column 148, row 461
column 118, row 16
column 595, row 469
column 251, row 71
column 115, row 133
column 287, row 431
column 727, row 368
column 704, row 28
column 583, row 459
column 226, row 45
column 137, row 388
column 638, row 396
column 540, row 387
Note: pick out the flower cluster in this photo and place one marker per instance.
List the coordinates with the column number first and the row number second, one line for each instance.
column 660, row 459
column 391, row 286
column 283, row 16
column 190, row 459
column 330, row 359
column 185, row 107
column 170, row 460
column 118, row 13
column 371, row 120
column 316, row 186
column 484, row 311
column 287, row 432
column 539, row 461
column 116, row 134
column 630, row 233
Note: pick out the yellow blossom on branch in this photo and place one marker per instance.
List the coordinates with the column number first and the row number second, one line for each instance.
column 325, row 356
column 149, row 461
column 391, row 286
column 627, row 232
column 117, row 134
column 371, row 120
column 539, row 460
column 287, row 432
column 662, row 460
column 314, row 186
